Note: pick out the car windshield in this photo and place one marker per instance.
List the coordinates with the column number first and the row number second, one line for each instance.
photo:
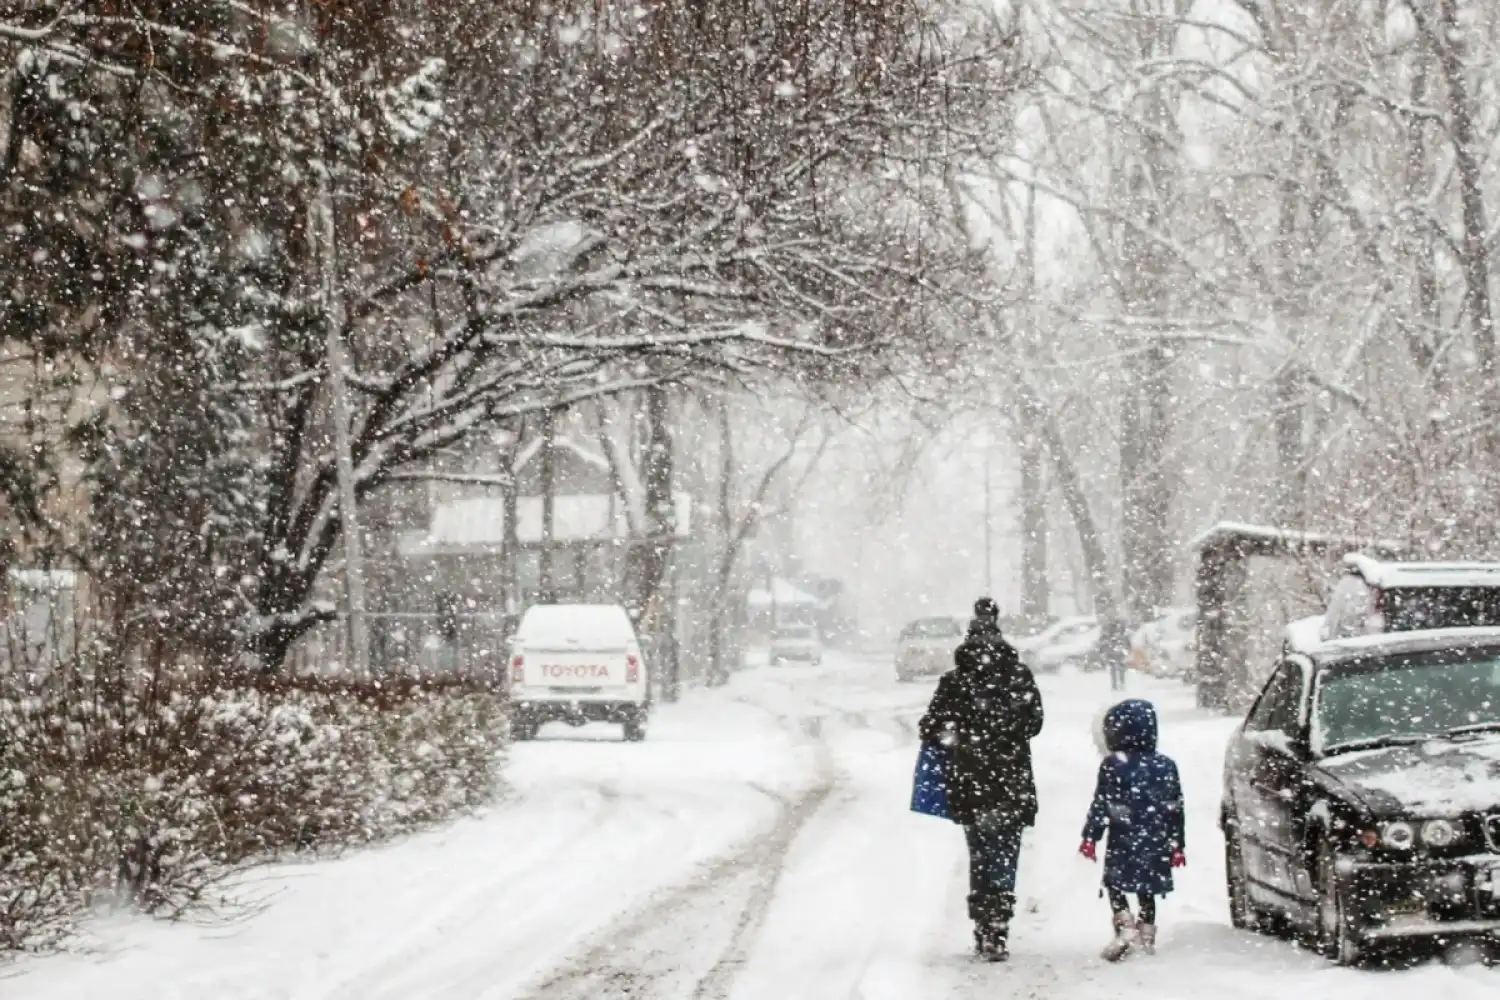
column 1409, row 609
column 1408, row 697
column 932, row 628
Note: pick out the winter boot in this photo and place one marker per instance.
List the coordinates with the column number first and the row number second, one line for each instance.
column 1148, row 939
column 991, row 917
column 1124, row 939
column 1000, row 918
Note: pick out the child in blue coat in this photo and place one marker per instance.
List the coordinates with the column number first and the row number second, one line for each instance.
column 1138, row 799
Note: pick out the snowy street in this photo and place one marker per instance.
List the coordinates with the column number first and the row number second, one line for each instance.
column 757, row 846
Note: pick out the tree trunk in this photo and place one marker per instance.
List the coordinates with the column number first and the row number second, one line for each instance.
column 545, row 581
column 1034, row 591
column 1467, row 156
column 660, row 617
column 1096, row 559
column 1291, row 451
column 718, row 671
column 1146, row 500
column 1146, row 568
column 510, row 551
column 1035, row 599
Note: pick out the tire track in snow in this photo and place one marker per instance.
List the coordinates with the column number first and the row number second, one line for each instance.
column 692, row 941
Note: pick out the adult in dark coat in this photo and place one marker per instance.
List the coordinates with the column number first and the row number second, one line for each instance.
column 986, row 712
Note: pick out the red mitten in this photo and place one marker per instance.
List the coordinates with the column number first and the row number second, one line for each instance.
column 1088, row 850
column 1179, row 860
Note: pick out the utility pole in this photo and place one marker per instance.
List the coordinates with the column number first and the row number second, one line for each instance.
column 324, row 225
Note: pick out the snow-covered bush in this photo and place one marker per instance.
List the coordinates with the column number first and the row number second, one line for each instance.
column 146, row 789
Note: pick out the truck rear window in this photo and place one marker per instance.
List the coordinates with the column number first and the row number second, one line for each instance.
column 1415, row 608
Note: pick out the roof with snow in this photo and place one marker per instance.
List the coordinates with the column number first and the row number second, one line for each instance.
column 1235, row 530
column 785, row 595
column 43, row 579
column 479, row 522
column 1386, row 575
column 561, row 442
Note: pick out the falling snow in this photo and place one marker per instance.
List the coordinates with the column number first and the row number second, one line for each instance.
column 337, row 339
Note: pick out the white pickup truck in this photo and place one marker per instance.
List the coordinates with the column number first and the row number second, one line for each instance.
column 577, row 663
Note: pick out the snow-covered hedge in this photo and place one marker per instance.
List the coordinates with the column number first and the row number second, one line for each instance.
column 148, row 792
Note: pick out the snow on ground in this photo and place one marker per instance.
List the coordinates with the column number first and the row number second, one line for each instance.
column 593, row 826
column 757, row 847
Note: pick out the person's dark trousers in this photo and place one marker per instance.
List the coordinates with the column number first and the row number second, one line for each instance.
column 994, row 853
column 1117, row 672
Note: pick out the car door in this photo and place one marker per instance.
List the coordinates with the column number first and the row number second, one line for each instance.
column 1274, row 776
column 1263, row 778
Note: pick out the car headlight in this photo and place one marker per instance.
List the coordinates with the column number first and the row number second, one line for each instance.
column 1400, row 835
column 1439, row 833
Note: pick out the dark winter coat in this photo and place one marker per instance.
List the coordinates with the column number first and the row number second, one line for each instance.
column 1138, row 799
column 987, row 710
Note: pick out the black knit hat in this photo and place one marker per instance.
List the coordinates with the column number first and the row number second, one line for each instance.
column 986, row 609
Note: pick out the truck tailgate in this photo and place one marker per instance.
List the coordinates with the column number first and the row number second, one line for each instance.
column 587, row 670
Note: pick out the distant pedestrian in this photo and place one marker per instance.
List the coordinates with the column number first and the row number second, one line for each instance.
column 1138, row 801
column 986, row 712
column 1114, row 647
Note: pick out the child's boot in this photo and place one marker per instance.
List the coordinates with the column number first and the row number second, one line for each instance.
column 1124, row 937
column 1147, row 934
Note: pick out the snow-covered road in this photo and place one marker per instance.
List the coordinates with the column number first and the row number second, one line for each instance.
column 757, row 847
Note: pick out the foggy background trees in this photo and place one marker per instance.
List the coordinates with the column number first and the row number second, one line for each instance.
column 1241, row 251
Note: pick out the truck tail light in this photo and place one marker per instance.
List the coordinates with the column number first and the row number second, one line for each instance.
column 632, row 669
column 518, row 669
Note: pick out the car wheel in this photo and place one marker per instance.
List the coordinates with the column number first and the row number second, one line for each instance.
column 1242, row 913
column 522, row 731
column 1337, row 938
column 635, row 729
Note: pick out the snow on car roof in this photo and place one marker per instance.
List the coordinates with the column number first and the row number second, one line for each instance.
column 1383, row 643
column 1395, row 575
column 1305, row 634
column 575, row 622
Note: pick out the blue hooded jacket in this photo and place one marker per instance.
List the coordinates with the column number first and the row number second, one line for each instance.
column 1138, row 800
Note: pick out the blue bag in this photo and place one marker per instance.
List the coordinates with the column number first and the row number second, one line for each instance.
column 929, row 791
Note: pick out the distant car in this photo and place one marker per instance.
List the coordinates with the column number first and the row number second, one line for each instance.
column 1375, row 596
column 1069, row 641
column 1361, row 796
column 1167, row 646
column 577, row 663
column 926, row 647
column 796, row 643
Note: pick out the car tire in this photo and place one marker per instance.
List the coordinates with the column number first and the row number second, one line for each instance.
column 523, row 731
column 1337, row 938
column 635, row 728
column 1243, row 914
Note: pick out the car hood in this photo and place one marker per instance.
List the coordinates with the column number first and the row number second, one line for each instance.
column 1439, row 778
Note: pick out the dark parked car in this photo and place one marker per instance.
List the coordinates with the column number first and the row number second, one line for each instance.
column 1362, row 793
